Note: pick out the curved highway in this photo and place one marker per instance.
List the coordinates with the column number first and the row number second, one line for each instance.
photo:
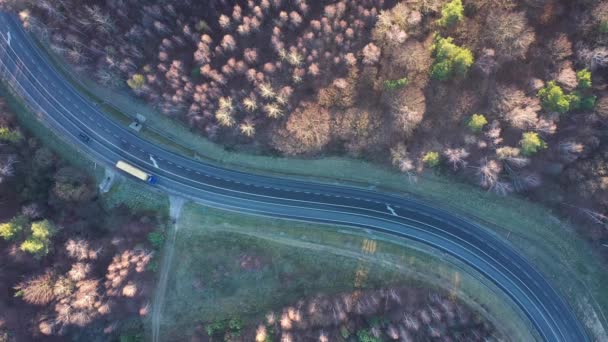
column 68, row 114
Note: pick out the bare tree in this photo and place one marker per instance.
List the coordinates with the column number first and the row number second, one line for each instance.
column 570, row 150
column 488, row 172
column 7, row 166
column 456, row 156
column 514, row 106
column 509, row 35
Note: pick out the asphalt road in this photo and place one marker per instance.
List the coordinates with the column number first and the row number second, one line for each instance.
column 68, row 113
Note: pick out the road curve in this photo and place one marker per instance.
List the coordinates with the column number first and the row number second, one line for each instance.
column 64, row 110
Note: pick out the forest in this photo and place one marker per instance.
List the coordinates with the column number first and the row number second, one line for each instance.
column 507, row 94
column 72, row 268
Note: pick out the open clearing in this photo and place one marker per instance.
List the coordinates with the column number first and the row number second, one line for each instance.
column 228, row 265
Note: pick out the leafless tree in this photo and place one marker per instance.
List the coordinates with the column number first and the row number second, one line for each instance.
column 570, row 150
column 488, row 172
column 510, row 34
column 7, row 166
column 456, row 156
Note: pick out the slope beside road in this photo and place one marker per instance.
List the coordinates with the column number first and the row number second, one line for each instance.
column 69, row 114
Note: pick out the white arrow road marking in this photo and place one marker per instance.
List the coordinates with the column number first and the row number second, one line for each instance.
column 391, row 210
column 154, row 162
column 8, row 40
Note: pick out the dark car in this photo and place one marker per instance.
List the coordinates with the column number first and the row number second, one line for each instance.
column 84, row 137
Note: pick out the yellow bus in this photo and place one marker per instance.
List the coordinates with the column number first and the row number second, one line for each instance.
column 135, row 172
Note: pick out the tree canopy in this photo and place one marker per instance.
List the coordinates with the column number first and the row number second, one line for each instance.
column 450, row 59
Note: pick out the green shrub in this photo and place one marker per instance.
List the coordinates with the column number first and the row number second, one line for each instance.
column 13, row 136
column 364, row 335
column 603, row 27
column 12, row 228
column 395, row 84
column 344, row 332
column 431, row 159
column 157, row 239
column 554, row 99
column 132, row 337
column 153, row 265
column 40, row 239
column 235, row 325
column 587, row 102
column 451, row 13
column 136, row 82
column 476, row 122
column 34, row 246
column 584, row 78
column 215, row 328
column 450, row 59
column 531, row 143
column 579, row 101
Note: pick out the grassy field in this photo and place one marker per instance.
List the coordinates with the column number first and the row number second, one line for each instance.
column 208, row 283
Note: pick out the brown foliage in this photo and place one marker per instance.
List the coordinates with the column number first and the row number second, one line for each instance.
column 38, row 290
column 371, row 54
column 408, row 108
column 513, row 105
column 342, row 92
column 307, row 131
column 415, row 57
column 359, row 129
column 509, row 34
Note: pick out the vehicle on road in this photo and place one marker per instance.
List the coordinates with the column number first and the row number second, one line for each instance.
column 85, row 138
column 135, row 172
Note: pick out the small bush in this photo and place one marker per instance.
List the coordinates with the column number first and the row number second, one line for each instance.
column 531, row 143
column 215, row 328
column 9, row 135
column 136, row 82
column 157, row 239
column 39, row 241
column 584, row 79
column 395, row 84
column 11, row 229
column 132, row 337
column 603, row 27
column 431, row 159
column 451, row 13
column 344, row 332
column 235, row 325
column 476, row 122
column 579, row 101
column 365, row 336
column 450, row 59
column 554, row 99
